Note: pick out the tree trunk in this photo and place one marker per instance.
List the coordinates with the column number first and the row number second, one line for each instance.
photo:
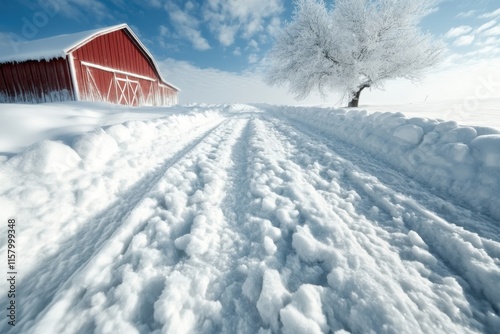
column 355, row 100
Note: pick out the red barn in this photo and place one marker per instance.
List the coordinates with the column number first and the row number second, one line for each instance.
column 108, row 64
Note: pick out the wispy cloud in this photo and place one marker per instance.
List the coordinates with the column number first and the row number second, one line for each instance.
column 489, row 41
column 495, row 13
column 253, row 44
column 246, row 18
column 226, row 34
column 187, row 25
column 153, row 3
column 464, row 40
column 493, row 31
column 253, row 58
column 164, row 34
column 466, row 14
column 274, row 26
column 164, row 31
column 486, row 26
column 77, row 9
column 225, row 20
column 458, row 31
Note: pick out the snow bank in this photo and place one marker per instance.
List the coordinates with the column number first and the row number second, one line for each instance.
column 466, row 111
column 22, row 125
column 46, row 157
column 55, row 185
column 461, row 161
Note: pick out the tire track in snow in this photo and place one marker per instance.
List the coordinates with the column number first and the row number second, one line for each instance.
column 355, row 273
column 457, row 215
column 240, row 315
column 155, row 272
column 216, row 268
column 459, row 250
column 51, row 277
column 448, row 208
column 464, row 237
column 276, row 269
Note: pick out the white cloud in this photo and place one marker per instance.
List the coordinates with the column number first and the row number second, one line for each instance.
column 164, row 31
column 486, row 26
column 154, row 3
column 253, row 44
column 75, row 9
column 274, row 26
column 189, row 6
column 486, row 52
column 464, row 40
column 489, row 50
column 493, row 31
column 490, row 15
column 490, row 41
column 186, row 25
column 466, row 14
column 227, row 34
column 253, row 58
column 458, row 31
column 247, row 17
column 237, row 51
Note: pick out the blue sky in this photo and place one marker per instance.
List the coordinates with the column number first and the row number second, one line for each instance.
column 227, row 37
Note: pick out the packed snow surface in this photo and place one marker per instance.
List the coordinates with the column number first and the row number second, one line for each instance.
column 252, row 219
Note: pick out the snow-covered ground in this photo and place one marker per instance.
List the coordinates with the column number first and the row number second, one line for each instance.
column 249, row 219
column 467, row 111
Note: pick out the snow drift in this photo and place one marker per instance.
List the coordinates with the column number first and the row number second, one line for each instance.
column 238, row 219
column 461, row 161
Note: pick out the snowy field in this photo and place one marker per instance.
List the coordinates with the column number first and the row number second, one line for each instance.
column 468, row 111
column 250, row 219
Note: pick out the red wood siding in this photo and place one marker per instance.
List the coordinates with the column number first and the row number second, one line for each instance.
column 36, row 81
column 110, row 68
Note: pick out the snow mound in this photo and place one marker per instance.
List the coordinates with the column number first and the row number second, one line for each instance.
column 487, row 150
column 95, row 148
column 46, row 157
column 410, row 133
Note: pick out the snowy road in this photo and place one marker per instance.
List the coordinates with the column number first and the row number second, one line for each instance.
column 249, row 222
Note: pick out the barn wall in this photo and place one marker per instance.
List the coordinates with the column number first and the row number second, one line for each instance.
column 36, row 81
column 113, row 68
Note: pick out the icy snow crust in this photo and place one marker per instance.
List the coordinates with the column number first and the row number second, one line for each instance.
column 257, row 219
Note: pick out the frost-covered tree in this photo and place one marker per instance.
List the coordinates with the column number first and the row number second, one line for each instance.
column 352, row 45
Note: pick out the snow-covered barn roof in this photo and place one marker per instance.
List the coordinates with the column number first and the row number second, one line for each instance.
column 59, row 46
